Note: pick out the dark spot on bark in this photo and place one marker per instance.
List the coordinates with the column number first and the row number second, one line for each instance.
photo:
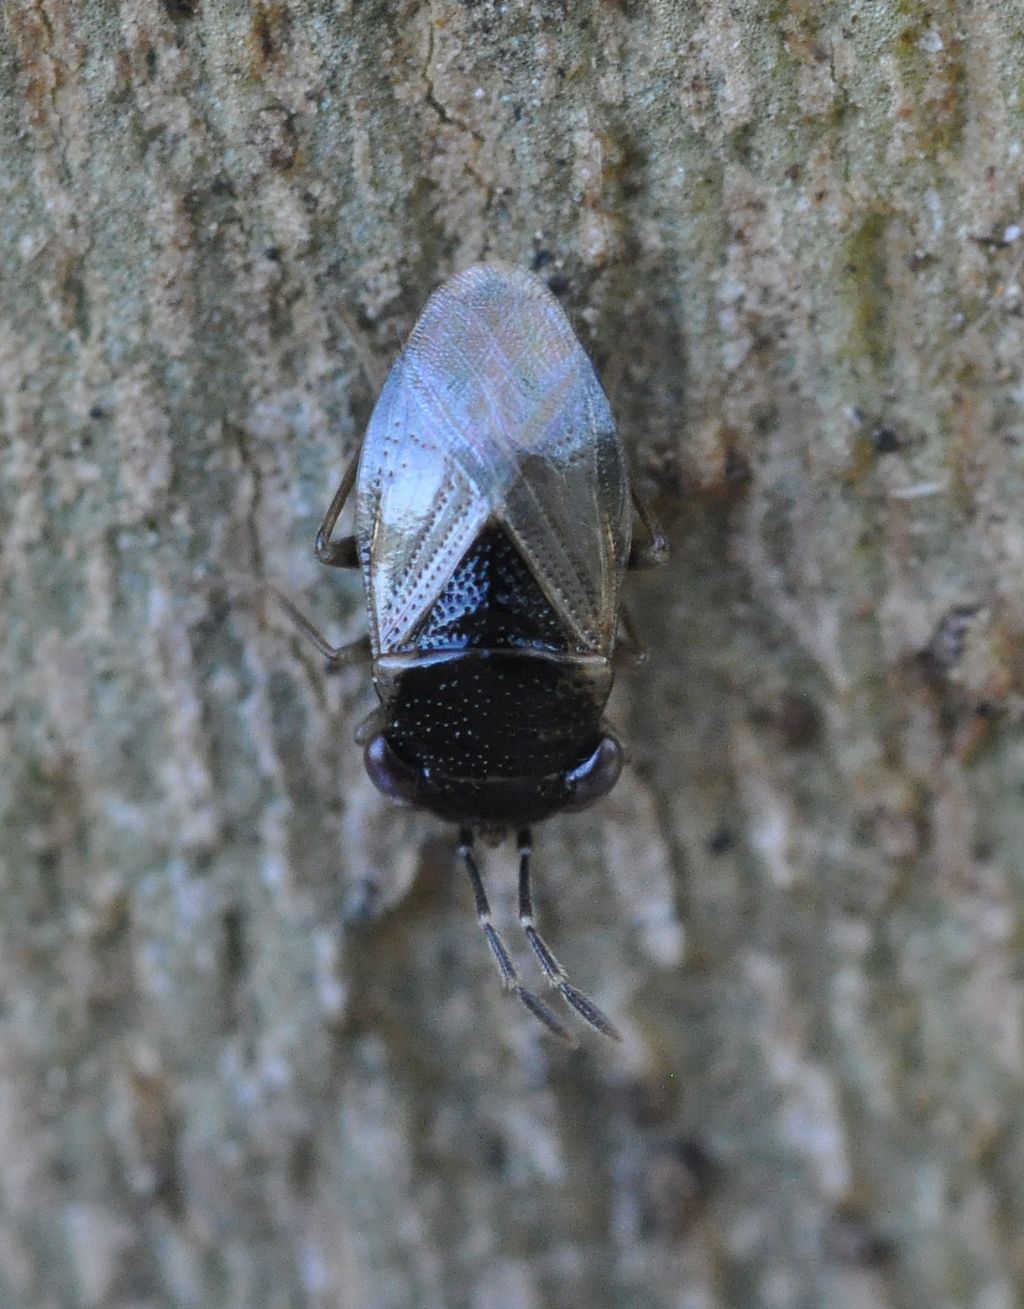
column 996, row 241
column 263, row 35
column 302, row 1164
column 235, row 949
column 362, row 904
column 276, row 137
column 737, row 468
column 651, row 1100
column 766, row 419
column 850, row 1239
column 495, row 1153
column 799, row 721
column 697, row 1159
column 885, row 440
column 946, row 647
column 168, row 1192
column 794, row 717
column 721, row 841
column 206, row 629
column 673, row 1187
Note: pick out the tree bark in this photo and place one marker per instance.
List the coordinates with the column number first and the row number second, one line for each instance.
column 252, row 1050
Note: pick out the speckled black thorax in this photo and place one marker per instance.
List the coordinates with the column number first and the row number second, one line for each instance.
column 495, row 694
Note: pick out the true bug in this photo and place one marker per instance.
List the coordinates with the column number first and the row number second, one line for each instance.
column 493, row 525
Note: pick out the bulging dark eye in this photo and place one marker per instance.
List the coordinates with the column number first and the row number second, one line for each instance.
column 596, row 776
column 388, row 773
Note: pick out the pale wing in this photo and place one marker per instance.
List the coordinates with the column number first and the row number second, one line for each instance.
column 417, row 509
column 493, row 411
column 515, row 383
column 569, row 511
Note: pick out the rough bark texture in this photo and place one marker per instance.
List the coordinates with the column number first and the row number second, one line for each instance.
column 252, row 1050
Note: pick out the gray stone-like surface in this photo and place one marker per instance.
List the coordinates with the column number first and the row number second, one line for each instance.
column 253, row 1053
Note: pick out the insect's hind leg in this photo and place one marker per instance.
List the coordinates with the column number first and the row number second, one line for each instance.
column 630, row 651
column 550, row 966
column 343, row 553
column 509, row 977
column 339, row 656
column 654, row 551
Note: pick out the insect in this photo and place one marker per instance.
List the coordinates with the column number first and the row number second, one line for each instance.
column 493, row 524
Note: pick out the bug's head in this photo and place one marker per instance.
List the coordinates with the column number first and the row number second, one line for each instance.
column 494, row 802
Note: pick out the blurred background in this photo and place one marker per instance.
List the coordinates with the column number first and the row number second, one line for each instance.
column 253, row 1052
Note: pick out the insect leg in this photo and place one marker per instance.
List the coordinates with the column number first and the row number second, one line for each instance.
column 344, row 552
column 630, row 652
column 340, row 656
column 550, row 966
column 655, row 550
column 374, row 722
column 509, row 977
